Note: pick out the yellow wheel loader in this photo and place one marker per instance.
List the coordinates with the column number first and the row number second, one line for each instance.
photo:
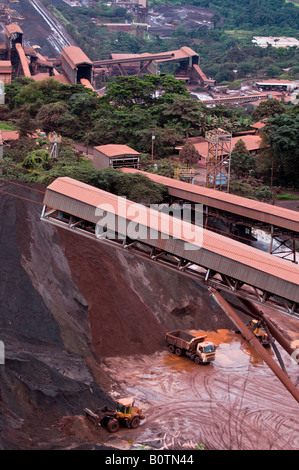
column 125, row 414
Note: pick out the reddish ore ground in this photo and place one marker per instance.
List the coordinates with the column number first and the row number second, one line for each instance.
column 84, row 324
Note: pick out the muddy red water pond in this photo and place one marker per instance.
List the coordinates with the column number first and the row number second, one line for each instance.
column 236, row 402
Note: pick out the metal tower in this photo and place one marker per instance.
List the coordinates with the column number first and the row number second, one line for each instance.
column 218, row 159
column 55, row 140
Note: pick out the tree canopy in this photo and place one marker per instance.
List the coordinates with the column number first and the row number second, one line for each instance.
column 242, row 162
column 282, row 133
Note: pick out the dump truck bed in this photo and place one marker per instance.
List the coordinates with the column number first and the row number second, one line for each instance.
column 183, row 339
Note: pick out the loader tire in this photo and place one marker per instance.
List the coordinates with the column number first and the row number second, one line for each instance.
column 134, row 423
column 113, row 425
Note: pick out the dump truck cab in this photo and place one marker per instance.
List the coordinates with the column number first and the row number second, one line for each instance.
column 207, row 351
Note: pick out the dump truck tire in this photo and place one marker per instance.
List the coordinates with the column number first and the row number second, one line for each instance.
column 171, row 348
column 113, row 425
column 178, row 352
column 197, row 360
column 134, row 423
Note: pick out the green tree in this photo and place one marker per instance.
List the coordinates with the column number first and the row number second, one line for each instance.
column 183, row 111
column 188, row 154
column 135, row 187
column 242, row 162
column 37, row 159
column 139, row 188
column 283, row 137
column 49, row 114
column 26, row 125
column 268, row 109
column 151, row 89
column 273, row 71
column 264, row 193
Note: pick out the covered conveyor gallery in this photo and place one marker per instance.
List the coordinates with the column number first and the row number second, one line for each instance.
column 213, row 259
column 238, row 212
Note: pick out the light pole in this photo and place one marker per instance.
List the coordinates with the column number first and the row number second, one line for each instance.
column 153, row 138
column 272, row 171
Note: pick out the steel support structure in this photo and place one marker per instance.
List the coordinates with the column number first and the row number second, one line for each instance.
column 281, row 244
column 215, row 282
column 285, row 244
column 251, row 338
column 218, row 159
column 271, row 329
column 55, row 140
column 203, row 274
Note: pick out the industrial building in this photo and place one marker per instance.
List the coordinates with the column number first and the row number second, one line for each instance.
column 188, row 68
column 265, row 41
column 252, row 142
column 76, row 65
column 5, row 71
column 115, row 156
column 276, row 84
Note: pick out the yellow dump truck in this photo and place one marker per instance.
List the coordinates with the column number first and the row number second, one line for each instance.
column 183, row 343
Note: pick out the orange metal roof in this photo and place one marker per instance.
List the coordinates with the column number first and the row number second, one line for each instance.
column 86, row 83
column 229, row 249
column 181, row 53
column 5, row 66
column 13, row 28
column 23, row 59
column 10, row 135
column 274, row 81
column 252, row 143
column 75, row 56
column 200, row 72
column 45, row 76
column 258, row 125
column 115, row 150
column 235, row 203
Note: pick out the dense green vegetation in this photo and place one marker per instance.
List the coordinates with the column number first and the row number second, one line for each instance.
column 224, row 49
column 133, row 110
column 130, row 111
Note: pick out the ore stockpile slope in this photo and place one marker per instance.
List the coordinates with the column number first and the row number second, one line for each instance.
column 66, row 303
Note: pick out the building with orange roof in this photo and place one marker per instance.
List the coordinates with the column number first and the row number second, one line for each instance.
column 258, row 126
column 277, row 84
column 76, row 65
column 5, row 71
column 252, row 142
column 13, row 36
column 265, row 41
column 115, row 156
column 44, row 76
